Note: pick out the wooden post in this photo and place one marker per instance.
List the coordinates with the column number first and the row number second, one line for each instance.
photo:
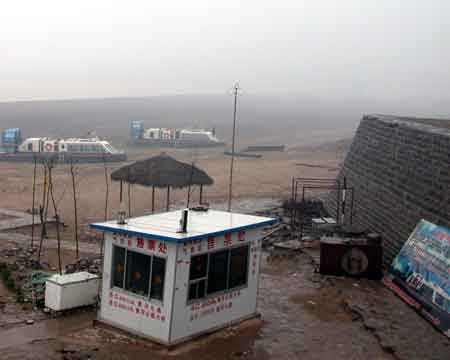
column 168, row 198
column 188, row 196
column 129, row 194
column 153, row 199
column 189, row 186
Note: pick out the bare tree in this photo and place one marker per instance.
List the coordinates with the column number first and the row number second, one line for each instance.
column 42, row 211
column 33, row 203
column 106, row 200
column 74, row 190
column 58, row 235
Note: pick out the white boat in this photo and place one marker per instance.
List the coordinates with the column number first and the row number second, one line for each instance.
column 173, row 137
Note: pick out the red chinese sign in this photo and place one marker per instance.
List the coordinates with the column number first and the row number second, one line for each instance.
column 135, row 306
column 140, row 243
column 213, row 305
column 254, row 256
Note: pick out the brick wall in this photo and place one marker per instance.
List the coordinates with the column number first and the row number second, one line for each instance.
column 399, row 169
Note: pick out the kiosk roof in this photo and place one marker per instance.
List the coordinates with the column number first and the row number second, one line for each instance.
column 165, row 226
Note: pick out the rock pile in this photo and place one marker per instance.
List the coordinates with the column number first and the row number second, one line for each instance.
column 93, row 265
column 23, row 258
column 282, row 231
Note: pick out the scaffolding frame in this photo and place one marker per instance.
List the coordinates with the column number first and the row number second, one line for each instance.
column 331, row 184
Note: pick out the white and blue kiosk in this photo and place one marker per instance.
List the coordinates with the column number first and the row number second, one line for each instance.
column 172, row 276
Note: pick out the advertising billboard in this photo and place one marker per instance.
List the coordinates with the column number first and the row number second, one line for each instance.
column 420, row 274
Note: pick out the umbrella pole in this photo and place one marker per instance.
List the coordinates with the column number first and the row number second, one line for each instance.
column 153, row 199
column 168, row 197
column 201, row 195
column 188, row 196
column 129, row 200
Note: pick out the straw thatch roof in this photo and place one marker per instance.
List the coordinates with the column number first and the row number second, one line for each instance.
column 162, row 171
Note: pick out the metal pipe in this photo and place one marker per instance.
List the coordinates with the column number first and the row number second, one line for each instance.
column 302, row 213
column 343, row 200
column 338, row 204
column 292, row 202
column 351, row 207
column 295, row 204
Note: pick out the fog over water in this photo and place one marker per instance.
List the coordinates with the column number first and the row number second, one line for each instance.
column 314, row 63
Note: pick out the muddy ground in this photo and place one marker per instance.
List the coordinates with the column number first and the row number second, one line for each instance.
column 304, row 316
column 268, row 177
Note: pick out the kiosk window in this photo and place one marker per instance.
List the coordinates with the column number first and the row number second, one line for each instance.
column 157, row 283
column 138, row 273
column 198, row 269
column 218, row 271
column 238, row 266
column 118, row 270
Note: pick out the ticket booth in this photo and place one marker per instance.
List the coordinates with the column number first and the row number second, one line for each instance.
column 171, row 276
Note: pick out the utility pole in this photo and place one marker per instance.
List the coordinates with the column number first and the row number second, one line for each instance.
column 230, row 190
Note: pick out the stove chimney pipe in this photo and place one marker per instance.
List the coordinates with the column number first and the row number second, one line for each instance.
column 184, row 221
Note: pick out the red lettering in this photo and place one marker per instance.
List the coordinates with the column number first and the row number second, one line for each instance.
column 211, row 242
column 140, row 242
column 151, row 245
column 241, row 235
column 228, row 240
column 162, row 248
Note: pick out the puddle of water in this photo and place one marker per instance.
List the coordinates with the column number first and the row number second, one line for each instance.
column 46, row 329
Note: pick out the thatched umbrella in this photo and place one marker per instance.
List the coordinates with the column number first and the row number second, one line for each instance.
column 162, row 171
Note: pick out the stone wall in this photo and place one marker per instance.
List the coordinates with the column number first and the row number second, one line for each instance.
column 399, row 168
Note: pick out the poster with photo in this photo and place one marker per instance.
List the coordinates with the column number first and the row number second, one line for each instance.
column 420, row 274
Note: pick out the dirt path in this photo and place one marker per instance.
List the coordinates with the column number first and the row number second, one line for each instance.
column 11, row 219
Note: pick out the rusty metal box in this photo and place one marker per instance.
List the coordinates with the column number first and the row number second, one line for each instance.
column 355, row 257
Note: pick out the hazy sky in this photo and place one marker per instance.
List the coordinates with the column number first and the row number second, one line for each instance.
column 339, row 48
